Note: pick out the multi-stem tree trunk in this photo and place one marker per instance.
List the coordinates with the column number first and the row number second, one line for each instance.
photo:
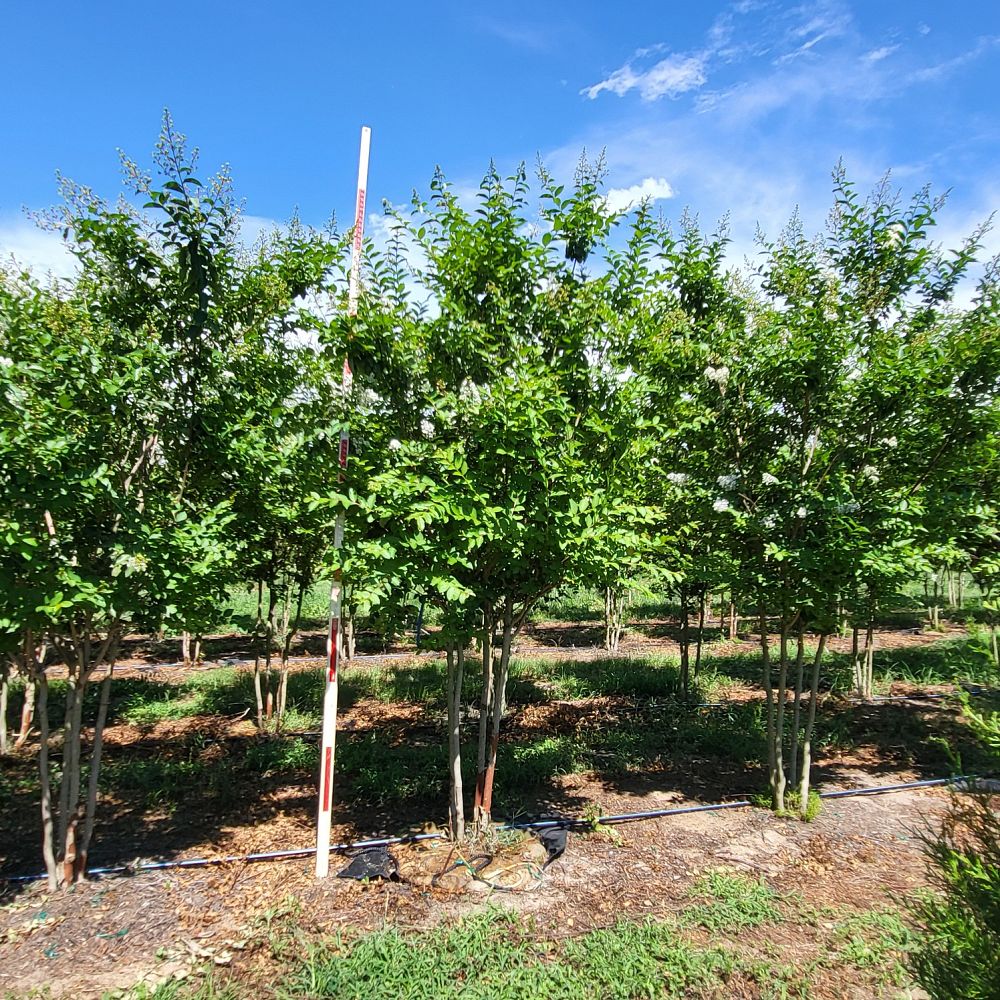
column 258, row 629
column 863, row 660
column 685, row 645
column 28, row 707
column 793, row 760
column 775, row 707
column 804, row 771
column 485, row 714
column 271, row 629
column 780, row 781
column 68, row 828
column 286, row 648
column 456, row 805
column 484, row 781
column 615, row 601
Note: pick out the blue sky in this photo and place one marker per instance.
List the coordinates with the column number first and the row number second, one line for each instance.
column 740, row 107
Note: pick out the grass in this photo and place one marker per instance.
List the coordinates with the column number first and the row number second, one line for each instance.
column 731, row 901
column 875, row 939
column 496, row 955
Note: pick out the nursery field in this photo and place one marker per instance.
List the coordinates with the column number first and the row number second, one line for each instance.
column 730, row 903
column 572, row 518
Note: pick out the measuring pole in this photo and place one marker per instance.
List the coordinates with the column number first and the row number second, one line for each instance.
column 330, row 695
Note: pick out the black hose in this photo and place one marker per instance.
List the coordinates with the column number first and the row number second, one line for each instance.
column 305, row 852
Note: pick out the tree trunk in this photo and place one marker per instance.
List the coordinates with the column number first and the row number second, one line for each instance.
column 272, row 605
column 349, row 640
column 456, row 810
column 684, row 646
column 95, row 774
column 701, row 634
column 286, row 649
column 45, row 782
column 4, row 688
column 607, row 618
column 869, row 662
column 778, row 786
column 857, row 667
column 734, row 620
column 485, row 704
column 793, row 760
column 810, row 723
column 772, row 761
column 27, row 712
column 258, row 628
column 498, row 700
column 186, row 648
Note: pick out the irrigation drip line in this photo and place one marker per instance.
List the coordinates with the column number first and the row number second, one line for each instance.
column 544, row 824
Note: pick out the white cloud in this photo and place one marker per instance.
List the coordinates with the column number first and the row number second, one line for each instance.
column 39, row 250
column 943, row 69
column 669, row 77
column 877, row 55
column 651, row 189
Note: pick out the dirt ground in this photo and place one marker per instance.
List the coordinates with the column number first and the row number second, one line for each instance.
column 111, row 933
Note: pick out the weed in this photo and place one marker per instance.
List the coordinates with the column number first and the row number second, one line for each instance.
column 734, row 902
column 496, row 955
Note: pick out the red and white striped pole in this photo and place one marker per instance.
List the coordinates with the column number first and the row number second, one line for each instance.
column 328, row 744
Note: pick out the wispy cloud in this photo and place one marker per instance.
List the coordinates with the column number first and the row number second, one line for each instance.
column 877, row 55
column 650, row 189
column 668, row 77
column 942, row 69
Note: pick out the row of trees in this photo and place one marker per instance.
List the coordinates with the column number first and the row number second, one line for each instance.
column 544, row 392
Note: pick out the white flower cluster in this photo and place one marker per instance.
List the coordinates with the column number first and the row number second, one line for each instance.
column 426, row 428
column 890, row 442
column 801, row 512
column 395, row 444
column 721, row 505
column 677, row 478
column 769, row 521
column 720, row 375
column 768, row 480
column 870, row 472
column 729, row 482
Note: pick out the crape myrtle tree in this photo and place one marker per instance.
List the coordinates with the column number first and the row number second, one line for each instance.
column 864, row 373
column 817, row 423
column 496, row 489
column 119, row 399
column 691, row 305
column 99, row 541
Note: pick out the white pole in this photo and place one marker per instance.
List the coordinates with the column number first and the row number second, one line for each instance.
column 330, row 695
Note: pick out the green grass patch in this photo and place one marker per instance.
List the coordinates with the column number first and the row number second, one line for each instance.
column 496, row 956
column 731, row 901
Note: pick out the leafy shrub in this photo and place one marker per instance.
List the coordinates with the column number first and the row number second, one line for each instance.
column 959, row 952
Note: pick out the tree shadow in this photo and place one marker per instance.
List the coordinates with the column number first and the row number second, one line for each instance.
column 169, row 795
